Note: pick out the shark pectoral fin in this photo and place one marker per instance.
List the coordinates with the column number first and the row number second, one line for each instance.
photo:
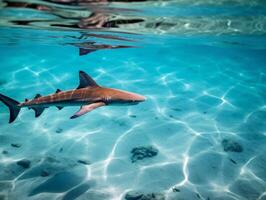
column 87, row 108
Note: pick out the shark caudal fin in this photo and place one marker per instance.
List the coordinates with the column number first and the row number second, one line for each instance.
column 12, row 105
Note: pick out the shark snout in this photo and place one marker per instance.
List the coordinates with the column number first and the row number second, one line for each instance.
column 138, row 98
column 124, row 97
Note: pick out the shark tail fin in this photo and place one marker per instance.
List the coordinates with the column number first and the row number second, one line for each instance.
column 12, row 105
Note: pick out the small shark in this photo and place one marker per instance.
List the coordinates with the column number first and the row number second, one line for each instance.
column 89, row 47
column 88, row 95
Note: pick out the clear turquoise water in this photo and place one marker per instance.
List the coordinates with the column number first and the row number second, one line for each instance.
column 205, row 114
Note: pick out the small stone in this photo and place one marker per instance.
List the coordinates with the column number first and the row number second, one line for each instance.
column 177, row 109
column 232, row 146
column 51, row 160
column 173, row 117
column 59, row 130
column 198, row 195
column 233, row 161
column 142, row 152
column 175, row 189
column 84, row 162
column 61, row 150
column 24, row 163
column 2, row 82
column 4, row 152
column 143, row 196
column 44, row 173
column 3, row 197
column 16, row 145
column 121, row 123
column 133, row 196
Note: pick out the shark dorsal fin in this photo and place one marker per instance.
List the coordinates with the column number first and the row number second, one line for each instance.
column 86, row 81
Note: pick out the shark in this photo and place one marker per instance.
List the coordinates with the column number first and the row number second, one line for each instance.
column 88, row 95
column 89, row 47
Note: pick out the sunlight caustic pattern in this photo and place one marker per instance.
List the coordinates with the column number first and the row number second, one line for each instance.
column 203, row 127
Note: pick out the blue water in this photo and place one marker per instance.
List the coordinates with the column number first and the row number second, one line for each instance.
column 200, row 134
